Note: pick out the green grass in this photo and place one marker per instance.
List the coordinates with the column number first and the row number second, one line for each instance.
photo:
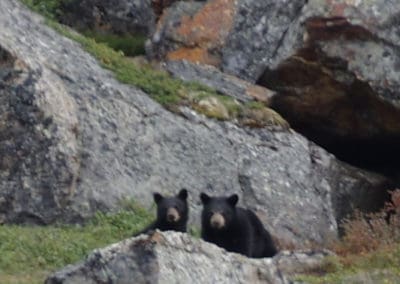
column 130, row 45
column 255, row 105
column 169, row 92
column 384, row 262
column 49, row 8
column 159, row 85
column 30, row 253
column 52, row 9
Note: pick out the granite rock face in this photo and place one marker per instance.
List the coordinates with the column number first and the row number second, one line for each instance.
column 334, row 65
column 341, row 88
column 239, row 37
column 244, row 38
column 365, row 35
column 172, row 257
column 75, row 141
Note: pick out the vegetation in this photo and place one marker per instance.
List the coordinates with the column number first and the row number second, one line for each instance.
column 371, row 243
column 169, row 92
column 51, row 9
column 129, row 45
column 30, row 253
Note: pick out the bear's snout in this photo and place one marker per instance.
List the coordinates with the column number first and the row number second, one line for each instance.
column 217, row 221
column 172, row 215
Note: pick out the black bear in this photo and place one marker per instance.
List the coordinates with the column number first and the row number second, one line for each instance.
column 172, row 213
column 233, row 228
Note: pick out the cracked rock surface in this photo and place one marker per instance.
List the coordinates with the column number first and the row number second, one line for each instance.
column 172, row 257
column 73, row 140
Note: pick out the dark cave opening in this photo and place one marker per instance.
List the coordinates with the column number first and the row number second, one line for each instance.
column 378, row 151
column 331, row 107
column 379, row 154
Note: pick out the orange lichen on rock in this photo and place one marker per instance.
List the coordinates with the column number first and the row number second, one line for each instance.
column 204, row 31
column 210, row 26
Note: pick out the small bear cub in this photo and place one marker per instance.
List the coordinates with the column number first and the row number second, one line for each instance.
column 234, row 228
column 172, row 213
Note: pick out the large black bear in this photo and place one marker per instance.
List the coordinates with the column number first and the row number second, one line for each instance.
column 172, row 213
column 233, row 228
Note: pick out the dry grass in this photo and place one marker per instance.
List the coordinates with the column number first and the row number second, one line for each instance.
column 365, row 233
column 369, row 249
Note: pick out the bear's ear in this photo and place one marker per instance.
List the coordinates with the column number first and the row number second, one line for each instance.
column 157, row 197
column 233, row 200
column 183, row 194
column 204, row 198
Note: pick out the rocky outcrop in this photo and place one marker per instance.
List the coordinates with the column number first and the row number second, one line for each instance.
column 171, row 257
column 322, row 100
column 333, row 64
column 239, row 37
column 364, row 35
column 245, row 37
column 74, row 141
column 116, row 16
column 342, row 89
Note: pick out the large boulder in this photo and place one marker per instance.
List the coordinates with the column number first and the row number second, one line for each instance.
column 239, row 37
column 333, row 64
column 178, row 258
column 365, row 35
column 75, row 141
column 342, row 87
column 245, row 37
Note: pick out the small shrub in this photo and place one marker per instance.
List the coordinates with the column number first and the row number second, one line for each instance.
column 368, row 232
column 48, row 8
column 130, row 45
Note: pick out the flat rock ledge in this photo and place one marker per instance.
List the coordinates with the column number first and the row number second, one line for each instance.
column 171, row 257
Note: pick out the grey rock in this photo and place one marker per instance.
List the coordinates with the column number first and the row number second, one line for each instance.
column 75, row 141
column 363, row 35
column 367, row 37
column 172, row 257
column 164, row 38
column 225, row 84
column 247, row 36
column 252, row 36
column 341, row 89
column 292, row 263
column 259, row 29
column 116, row 16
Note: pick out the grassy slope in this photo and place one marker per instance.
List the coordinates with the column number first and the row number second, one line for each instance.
column 380, row 266
column 29, row 254
column 168, row 91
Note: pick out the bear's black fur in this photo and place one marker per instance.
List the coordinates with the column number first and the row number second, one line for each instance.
column 233, row 228
column 172, row 213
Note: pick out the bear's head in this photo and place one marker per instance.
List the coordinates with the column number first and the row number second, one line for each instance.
column 172, row 209
column 218, row 212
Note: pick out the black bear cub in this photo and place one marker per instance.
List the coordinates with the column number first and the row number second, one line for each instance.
column 172, row 213
column 233, row 228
